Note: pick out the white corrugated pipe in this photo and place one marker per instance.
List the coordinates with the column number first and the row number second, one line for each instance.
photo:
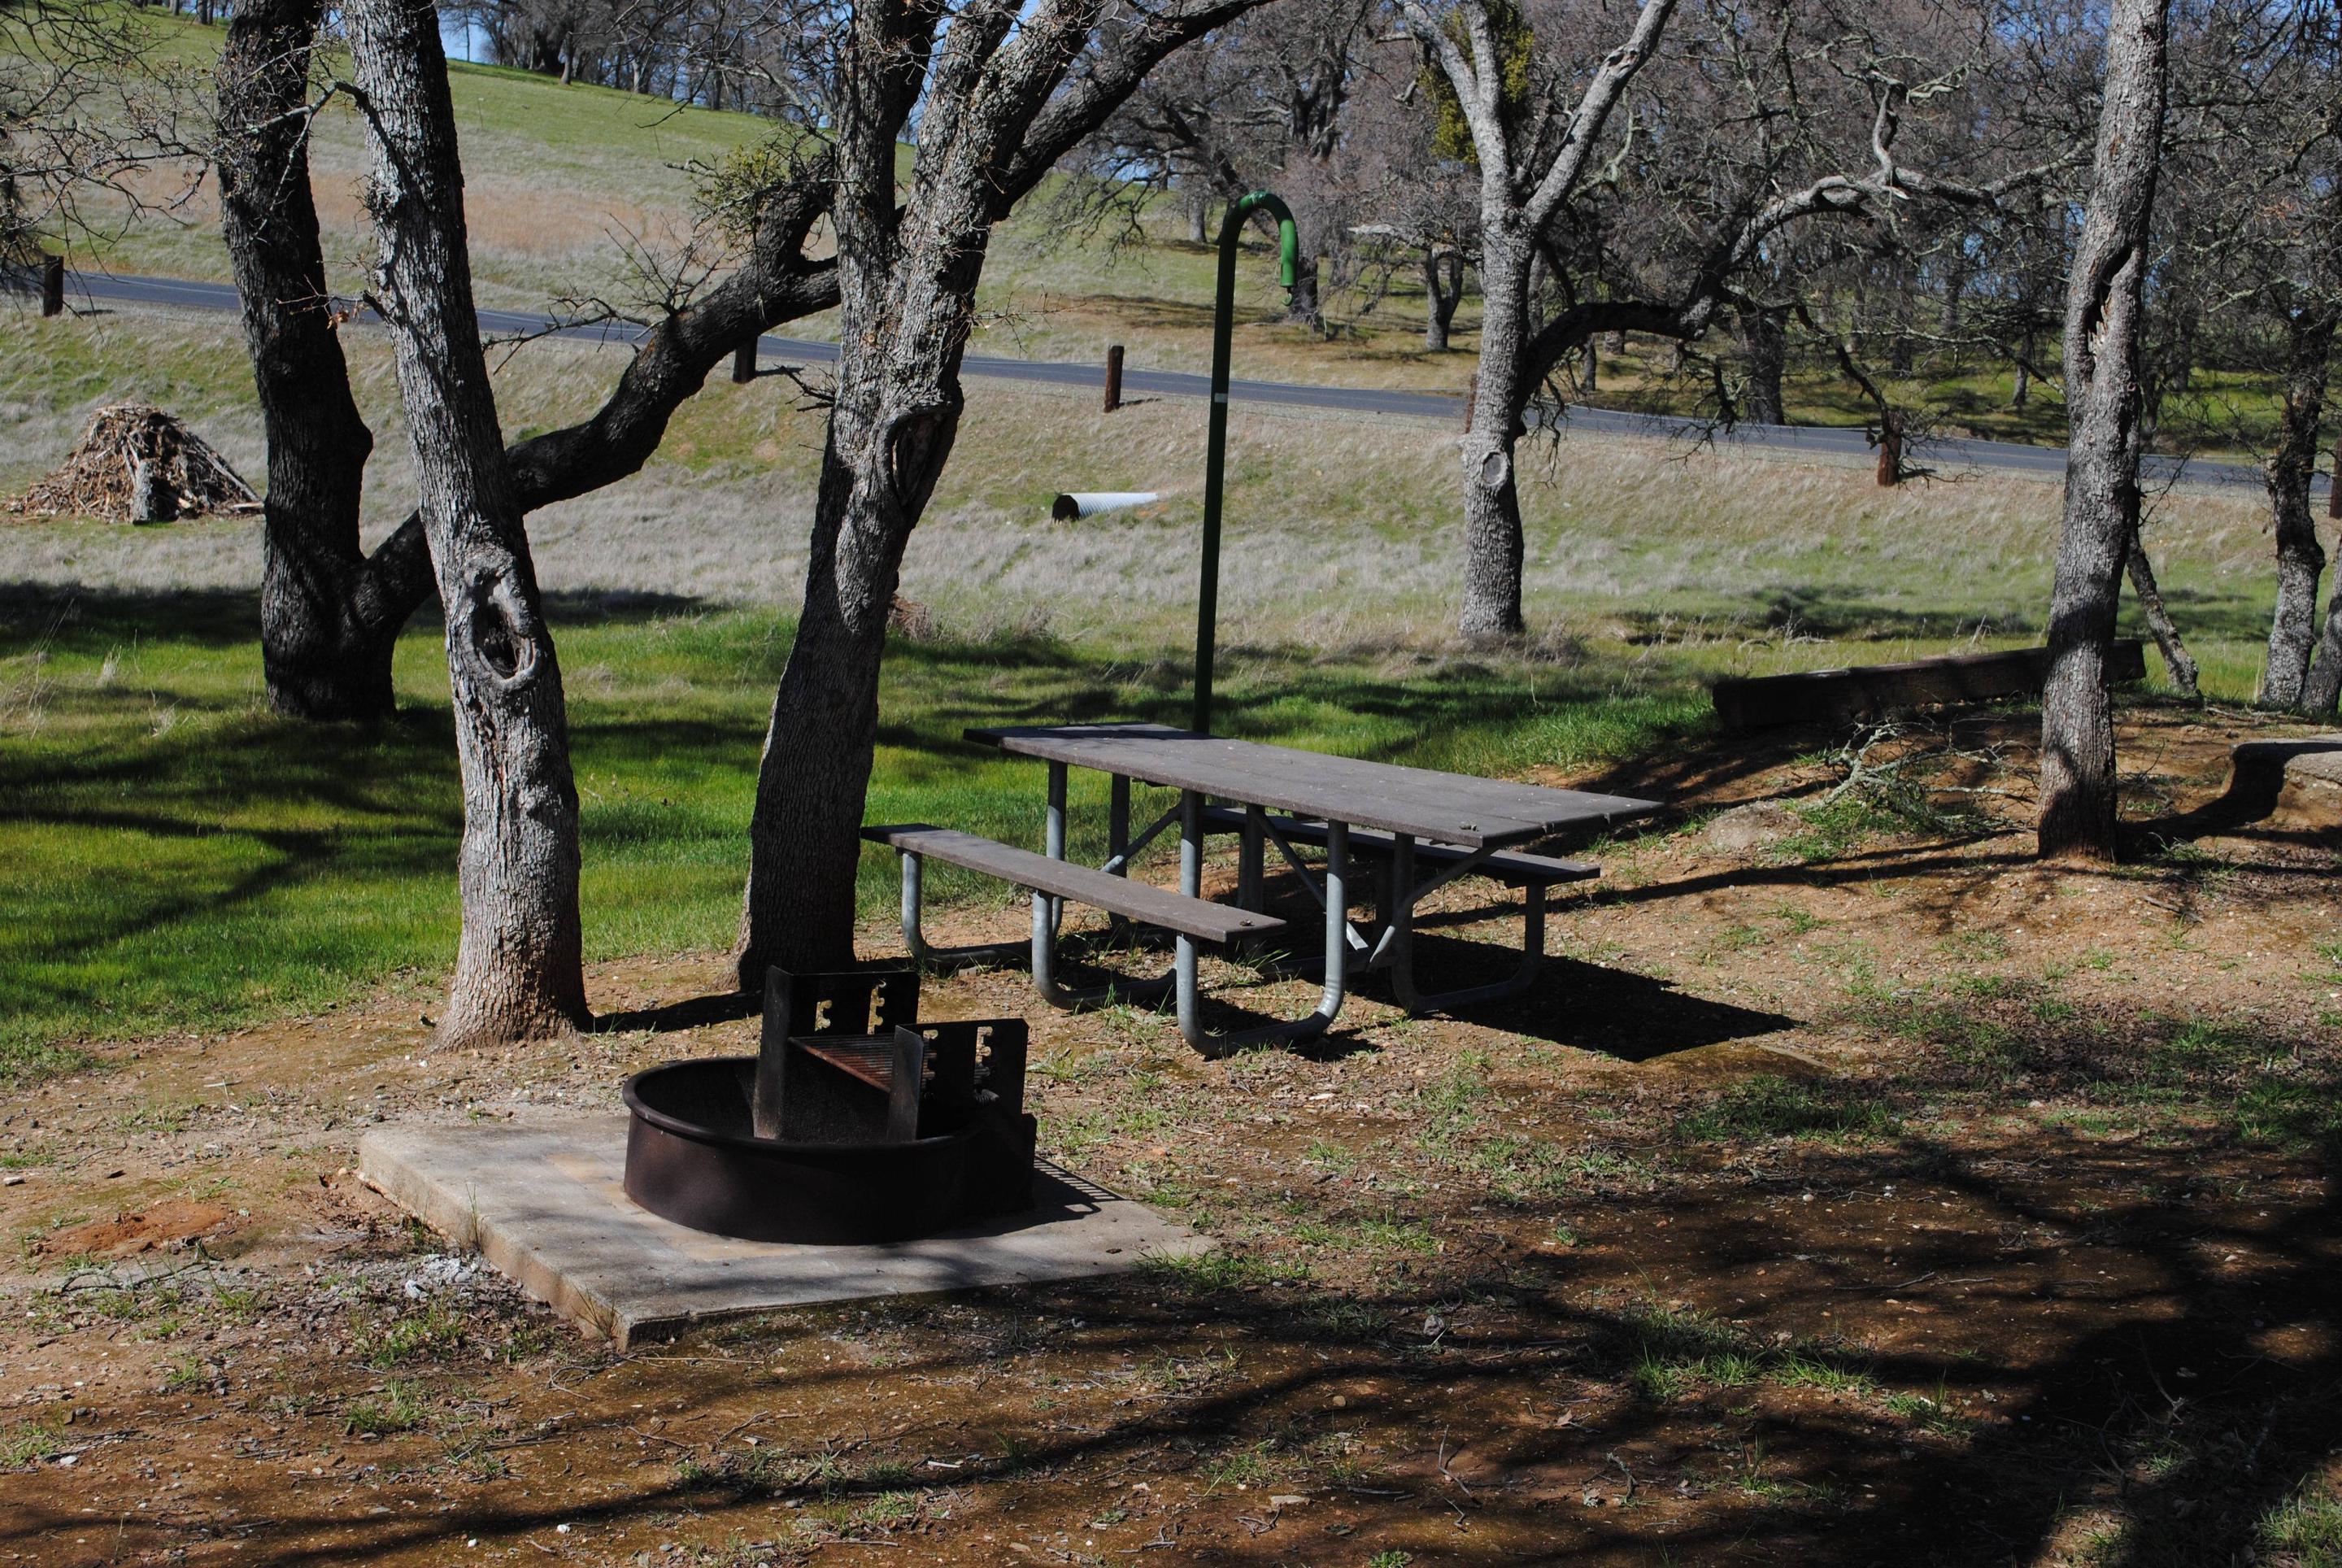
column 1090, row 503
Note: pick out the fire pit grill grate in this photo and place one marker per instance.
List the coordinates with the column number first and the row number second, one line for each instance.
column 838, row 1131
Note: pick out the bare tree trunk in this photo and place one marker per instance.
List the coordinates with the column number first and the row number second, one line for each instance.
column 329, row 618
column 2320, row 692
column 1589, row 368
column 1492, row 502
column 2103, row 305
column 902, row 330
column 2301, row 559
column 2334, row 483
column 518, row 967
column 1513, row 212
column 2177, row 659
column 1890, row 448
column 1765, row 336
column 814, row 776
column 1443, row 290
column 1303, row 305
column 908, row 274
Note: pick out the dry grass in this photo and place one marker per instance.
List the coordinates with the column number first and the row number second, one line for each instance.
column 564, row 181
column 1342, row 530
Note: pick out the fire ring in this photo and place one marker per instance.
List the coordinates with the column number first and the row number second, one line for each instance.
column 876, row 1136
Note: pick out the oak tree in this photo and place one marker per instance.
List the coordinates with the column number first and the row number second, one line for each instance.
column 2105, row 304
column 519, row 967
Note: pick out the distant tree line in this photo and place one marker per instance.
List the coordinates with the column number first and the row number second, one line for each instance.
column 713, row 53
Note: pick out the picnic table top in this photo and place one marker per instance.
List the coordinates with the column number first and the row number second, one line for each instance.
column 1444, row 808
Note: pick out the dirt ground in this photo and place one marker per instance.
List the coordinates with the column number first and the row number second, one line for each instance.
column 1852, row 1190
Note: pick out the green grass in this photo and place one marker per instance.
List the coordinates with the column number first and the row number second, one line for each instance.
column 430, row 1335
column 27, row 1445
column 189, row 862
column 1769, row 1106
column 183, row 860
column 2307, row 1528
column 398, row 1408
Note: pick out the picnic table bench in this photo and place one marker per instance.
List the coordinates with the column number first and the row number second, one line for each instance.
column 1422, row 828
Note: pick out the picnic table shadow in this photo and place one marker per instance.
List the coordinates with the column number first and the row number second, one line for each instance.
column 1585, row 1006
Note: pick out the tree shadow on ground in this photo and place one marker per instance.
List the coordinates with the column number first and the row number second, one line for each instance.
column 674, row 1017
column 91, row 620
column 2106, row 1354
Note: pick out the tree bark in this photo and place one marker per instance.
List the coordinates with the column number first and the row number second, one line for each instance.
column 518, row 967
column 2105, row 302
column 1492, row 502
column 329, row 617
column 2177, row 659
column 2321, row 692
column 906, row 279
column 1442, row 291
column 343, row 605
column 1302, row 304
column 1517, row 205
column 2301, row 559
column 1765, row 340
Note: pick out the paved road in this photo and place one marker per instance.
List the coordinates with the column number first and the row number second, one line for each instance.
column 1948, row 454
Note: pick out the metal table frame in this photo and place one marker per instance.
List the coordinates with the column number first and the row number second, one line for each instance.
column 1347, row 951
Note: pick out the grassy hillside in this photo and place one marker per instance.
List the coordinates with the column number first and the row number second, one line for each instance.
column 564, row 181
column 183, row 860
column 1334, row 523
column 186, row 860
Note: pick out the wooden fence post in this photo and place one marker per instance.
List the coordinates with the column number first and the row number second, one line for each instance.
column 1890, row 448
column 743, row 361
column 52, row 286
column 1114, row 378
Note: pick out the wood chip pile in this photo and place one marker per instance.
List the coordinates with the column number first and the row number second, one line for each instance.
column 138, row 463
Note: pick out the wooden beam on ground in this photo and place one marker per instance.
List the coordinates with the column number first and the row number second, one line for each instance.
column 1871, row 692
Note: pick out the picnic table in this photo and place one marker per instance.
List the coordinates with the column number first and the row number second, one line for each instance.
column 1423, row 828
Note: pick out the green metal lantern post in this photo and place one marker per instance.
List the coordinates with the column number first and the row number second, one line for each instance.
column 1208, row 599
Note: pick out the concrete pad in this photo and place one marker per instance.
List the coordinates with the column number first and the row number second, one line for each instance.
column 547, row 1205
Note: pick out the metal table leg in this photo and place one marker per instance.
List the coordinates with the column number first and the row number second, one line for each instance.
column 916, row 940
column 1337, row 933
column 1058, row 994
column 1053, row 838
column 1117, row 847
column 1048, row 912
column 1041, row 953
column 1400, row 938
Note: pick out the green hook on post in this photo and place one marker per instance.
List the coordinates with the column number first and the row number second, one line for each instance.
column 1216, row 451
